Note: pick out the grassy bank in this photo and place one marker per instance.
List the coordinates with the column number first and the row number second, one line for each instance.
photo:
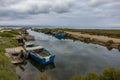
column 102, row 32
column 7, row 71
column 92, row 36
column 107, row 74
column 8, row 42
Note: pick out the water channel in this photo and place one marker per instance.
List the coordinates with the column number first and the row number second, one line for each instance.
column 72, row 57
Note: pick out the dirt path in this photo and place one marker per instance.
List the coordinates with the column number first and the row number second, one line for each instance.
column 4, row 30
column 100, row 38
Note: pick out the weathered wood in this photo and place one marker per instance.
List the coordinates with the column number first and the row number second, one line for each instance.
column 14, row 59
column 15, row 50
column 29, row 38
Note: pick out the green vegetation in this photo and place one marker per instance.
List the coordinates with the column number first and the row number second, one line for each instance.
column 6, row 68
column 110, row 33
column 107, row 74
column 87, row 40
column 8, row 42
column 109, row 43
column 102, row 32
column 15, row 31
column 11, row 33
column 7, row 71
column 7, row 38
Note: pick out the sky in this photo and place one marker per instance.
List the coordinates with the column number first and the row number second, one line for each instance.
column 70, row 13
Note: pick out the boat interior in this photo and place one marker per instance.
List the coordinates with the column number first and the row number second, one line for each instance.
column 32, row 45
column 41, row 52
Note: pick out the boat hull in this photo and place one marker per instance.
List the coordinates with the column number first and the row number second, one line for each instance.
column 42, row 60
column 60, row 35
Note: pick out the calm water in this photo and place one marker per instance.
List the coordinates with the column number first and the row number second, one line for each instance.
column 71, row 58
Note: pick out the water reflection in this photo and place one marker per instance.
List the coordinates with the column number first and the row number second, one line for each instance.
column 71, row 58
column 30, row 69
column 41, row 67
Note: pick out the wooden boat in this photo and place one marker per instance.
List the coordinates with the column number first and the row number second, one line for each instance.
column 28, row 37
column 14, row 50
column 29, row 44
column 14, row 59
column 40, row 54
column 13, row 54
column 20, row 40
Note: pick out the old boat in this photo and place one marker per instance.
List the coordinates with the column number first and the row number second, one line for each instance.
column 28, row 37
column 29, row 44
column 13, row 54
column 40, row 54
column 14, row 50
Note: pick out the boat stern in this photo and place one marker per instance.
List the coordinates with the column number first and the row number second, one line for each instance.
column 48, row 59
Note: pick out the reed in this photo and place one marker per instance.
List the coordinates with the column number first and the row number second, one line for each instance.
column 107, row 74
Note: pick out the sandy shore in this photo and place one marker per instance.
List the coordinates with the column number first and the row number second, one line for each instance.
column 100, row 38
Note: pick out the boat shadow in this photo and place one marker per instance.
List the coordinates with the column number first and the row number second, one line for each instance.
column 41, row 67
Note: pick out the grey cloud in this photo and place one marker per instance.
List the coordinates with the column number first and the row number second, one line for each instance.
column 10, row 15
column 22, row 9
column 63, row 7
column 111, row 10
column 8, row 2
column 27, row 7
column 37, row 10
column 60, row 9
column 99, row 3
column 77, row 12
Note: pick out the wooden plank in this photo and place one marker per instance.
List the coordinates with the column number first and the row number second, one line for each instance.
column 14, row 59
column 8, row 55
column 14, row 50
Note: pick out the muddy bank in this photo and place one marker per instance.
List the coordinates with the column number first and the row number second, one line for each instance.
column 106, row 41
column 101, row 40
column 76, row 58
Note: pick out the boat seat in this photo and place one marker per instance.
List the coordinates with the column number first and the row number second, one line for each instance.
column 43, row 54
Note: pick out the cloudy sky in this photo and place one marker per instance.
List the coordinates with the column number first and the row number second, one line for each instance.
column 80, row 13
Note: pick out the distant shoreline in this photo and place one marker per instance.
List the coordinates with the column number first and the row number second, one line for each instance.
column 45, row 26
column 108, row 38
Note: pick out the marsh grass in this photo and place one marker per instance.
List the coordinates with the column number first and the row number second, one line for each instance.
column 11, row 33
column 6, row 34
column 7, row 71
column 100, row 32
column 107, row 74
column 7, row 38
column 8, row 42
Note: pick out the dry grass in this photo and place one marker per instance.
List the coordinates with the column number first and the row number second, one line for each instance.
column 7, row 71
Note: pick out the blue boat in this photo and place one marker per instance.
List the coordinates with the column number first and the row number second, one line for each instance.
column 40, row 54
column 60, row 35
